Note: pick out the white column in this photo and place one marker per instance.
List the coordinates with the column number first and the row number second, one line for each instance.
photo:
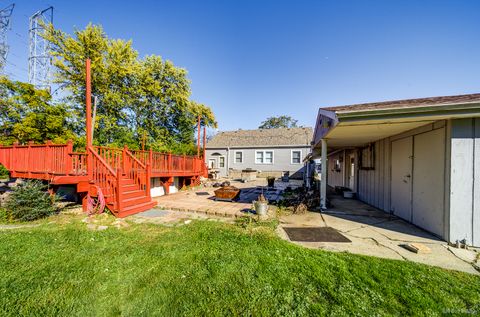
column 323, row 181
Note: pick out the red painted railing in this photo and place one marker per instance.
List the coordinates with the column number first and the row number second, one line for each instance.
column 105, row 177
column 52, row 159
column 170, row 163
column 59, row 159
column 139, row 172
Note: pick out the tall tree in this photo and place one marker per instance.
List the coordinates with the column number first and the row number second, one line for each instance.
column 28, row 114
column 278, row 122
column 139, row 99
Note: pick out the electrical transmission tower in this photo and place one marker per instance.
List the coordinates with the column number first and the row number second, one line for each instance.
column 5, row 15
column 39, row 60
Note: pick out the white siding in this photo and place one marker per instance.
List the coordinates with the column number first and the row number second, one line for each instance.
column 282, row 159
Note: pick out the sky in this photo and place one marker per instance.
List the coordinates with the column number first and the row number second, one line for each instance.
column 252, row 59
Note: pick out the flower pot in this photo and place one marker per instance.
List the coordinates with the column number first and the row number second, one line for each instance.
column 261, row 207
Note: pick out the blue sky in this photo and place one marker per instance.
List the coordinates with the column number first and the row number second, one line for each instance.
column 253, row 59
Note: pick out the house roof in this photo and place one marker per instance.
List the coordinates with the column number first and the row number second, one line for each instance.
column 262, row 137
column 360, row 124
column 408, row 103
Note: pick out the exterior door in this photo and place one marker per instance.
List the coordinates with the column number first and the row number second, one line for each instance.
column 212, row 163
column 351, row 171
column 401, row 187
column 428, row 181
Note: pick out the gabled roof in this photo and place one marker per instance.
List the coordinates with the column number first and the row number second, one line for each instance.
column 408, row 103
column 262, row 137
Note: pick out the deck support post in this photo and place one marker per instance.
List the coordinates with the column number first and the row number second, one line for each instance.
column 29, row 158
column 148, row 176
column 119, row 189
column 323, row 180
column 48, row 157
column 124, row 159
column 68, row 158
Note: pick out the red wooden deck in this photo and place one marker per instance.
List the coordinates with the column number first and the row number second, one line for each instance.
column 122, row 175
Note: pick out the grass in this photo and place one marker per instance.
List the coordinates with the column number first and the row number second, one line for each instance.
column 209, row 268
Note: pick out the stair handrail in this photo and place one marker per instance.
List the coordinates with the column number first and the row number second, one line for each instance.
column 136, row 159
column 135, row 175
column 97, row 156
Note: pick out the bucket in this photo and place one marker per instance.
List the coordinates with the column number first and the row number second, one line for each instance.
column 260, row 207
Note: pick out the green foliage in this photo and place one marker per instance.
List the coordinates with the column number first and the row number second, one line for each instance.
column 140, row 99
column 211, row 269
column 28, row 114
column 4, row 173
column 278, row 122
column 30, row 201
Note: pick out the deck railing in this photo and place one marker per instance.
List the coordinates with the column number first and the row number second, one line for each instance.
column 139, row 172
column 46, row 158
column 59, row 159
column 106, row 178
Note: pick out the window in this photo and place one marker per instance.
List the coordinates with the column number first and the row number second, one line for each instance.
column 222, row 161
column 367, row 158
column 296, row 157
column 268, row 157
column 259, row 157
column 238, row 157
column 264, row 157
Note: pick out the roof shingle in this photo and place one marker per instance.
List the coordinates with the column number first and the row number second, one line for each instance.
column 262, row 137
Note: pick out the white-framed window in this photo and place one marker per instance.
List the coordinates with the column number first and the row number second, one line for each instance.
column 296, row 157
column 221, row 162
column 264, row 157
column 238, row 156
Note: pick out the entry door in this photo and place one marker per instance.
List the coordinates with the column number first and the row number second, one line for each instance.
column 429, row 180
column 401, row 195
column 351, row 172
column 212, row 163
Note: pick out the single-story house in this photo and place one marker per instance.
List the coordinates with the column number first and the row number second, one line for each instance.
column 268, row 151
column 418, row 159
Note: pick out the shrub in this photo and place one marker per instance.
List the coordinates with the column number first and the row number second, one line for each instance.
column 30, row 201
column 3, row 172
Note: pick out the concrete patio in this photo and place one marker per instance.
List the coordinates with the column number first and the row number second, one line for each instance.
column 376, row 233
column 201, row 200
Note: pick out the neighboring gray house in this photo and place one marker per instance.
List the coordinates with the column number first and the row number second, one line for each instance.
column 269, row 151
column 418, row 159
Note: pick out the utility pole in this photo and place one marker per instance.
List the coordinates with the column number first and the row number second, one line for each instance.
column 5, row 15
column 198, row 137
column 39, row 59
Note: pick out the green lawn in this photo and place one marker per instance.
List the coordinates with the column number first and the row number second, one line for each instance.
column 208, row 268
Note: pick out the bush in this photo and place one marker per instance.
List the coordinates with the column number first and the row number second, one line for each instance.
column 30, row 201
column 3, row 172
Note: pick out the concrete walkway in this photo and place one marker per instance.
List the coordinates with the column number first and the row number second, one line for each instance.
column 376, row 233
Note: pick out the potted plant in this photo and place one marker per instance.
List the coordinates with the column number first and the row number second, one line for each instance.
column 271, row 181
column 261, row 205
